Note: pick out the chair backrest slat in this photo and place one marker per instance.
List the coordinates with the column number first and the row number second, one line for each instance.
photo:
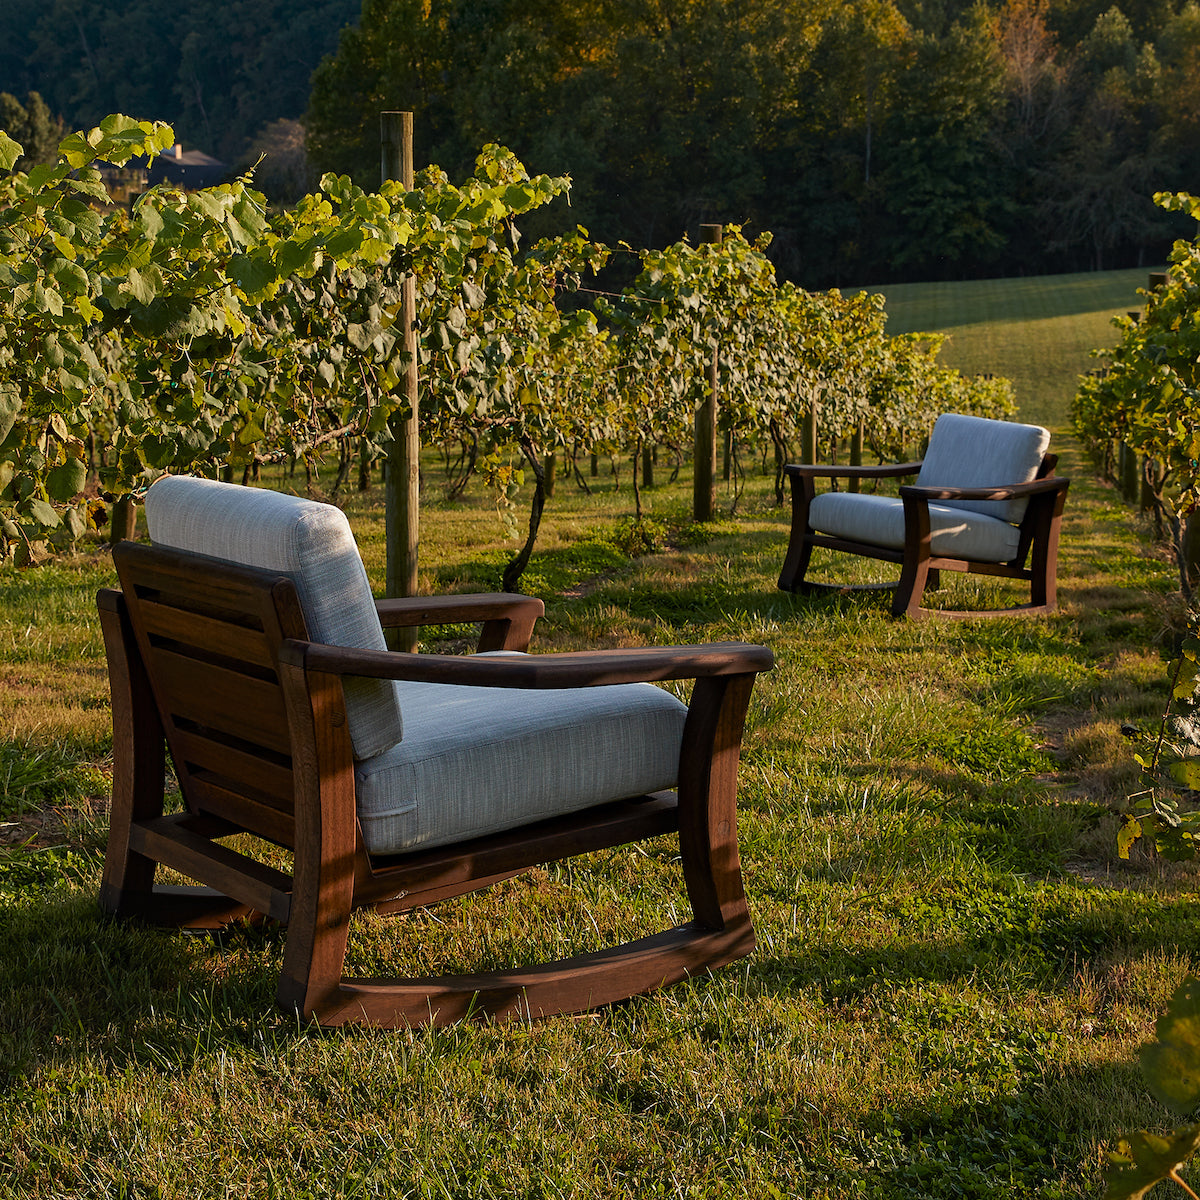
column 221, row 638
column 208, row 634
column 220, row 757
column 242, row 808
column 231, row 702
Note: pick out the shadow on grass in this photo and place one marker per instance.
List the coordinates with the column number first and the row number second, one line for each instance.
column 78, row 981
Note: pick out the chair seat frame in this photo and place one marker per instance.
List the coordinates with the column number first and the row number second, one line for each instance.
column 186, row 636
column 1036, row 559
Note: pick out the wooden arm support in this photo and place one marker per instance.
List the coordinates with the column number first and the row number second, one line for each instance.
column 593, row 668
column 508, row 620
column 887, row 471
column 1009, row 492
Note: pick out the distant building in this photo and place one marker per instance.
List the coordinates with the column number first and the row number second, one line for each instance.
column 190, row 169
column 187, row 169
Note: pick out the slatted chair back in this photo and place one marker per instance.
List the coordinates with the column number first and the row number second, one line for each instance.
column 208, row 641
column 307, row 542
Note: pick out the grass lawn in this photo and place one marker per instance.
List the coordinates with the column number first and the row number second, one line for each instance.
column 954, row 969
column 1039, row 332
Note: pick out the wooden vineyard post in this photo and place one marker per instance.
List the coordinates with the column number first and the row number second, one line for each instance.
column 808, row 436
column 704, row 452
column 402, row 495
column 856, row 453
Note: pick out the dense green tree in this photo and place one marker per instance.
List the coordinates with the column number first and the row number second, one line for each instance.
column 657, row 108
column 942, row 208
column 219, row 70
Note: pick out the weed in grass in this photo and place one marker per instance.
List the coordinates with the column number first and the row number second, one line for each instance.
column 38, row 775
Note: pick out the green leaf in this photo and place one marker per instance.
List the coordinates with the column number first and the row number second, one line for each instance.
column 75, row 522
column 10, row 151
column 252, row 273
column 42, row 513
column 141, row 286
column 1186, row 773
column 66, row 480
column 1171, row 1065
column 10, row 405
column 160, row 450
column 77, row 150
column 1146, row 1159
column 71, row 278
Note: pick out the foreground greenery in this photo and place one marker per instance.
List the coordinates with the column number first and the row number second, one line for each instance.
column 954, row 966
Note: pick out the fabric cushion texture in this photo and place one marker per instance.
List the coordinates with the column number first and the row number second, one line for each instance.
column 480, row 760
column 879, row 521
column 312, row 545
column 972, row 452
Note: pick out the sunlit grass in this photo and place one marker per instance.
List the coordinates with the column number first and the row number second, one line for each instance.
column 1037, row 331
column 954, row 968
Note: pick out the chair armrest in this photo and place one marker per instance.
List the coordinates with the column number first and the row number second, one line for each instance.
column 592, row 668
column 1008, row 492
column 449, row 610
column 507, row 619
column 887, row 471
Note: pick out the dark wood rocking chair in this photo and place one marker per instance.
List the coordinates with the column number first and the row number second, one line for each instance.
column 1003, row 521
column 214, row 660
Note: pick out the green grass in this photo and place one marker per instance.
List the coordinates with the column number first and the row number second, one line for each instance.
column 1038, row 331
column 953, row 973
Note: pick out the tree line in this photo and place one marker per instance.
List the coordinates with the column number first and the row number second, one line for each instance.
column 218, row 71
column 878, row 140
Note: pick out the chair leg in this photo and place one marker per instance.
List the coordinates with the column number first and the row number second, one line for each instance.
column 708, row 805
column 326, row 846
column 1043, row 588
column 914, row 575
column 138, row 765
column 799, row 551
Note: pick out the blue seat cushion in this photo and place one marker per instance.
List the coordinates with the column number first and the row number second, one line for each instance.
column 480, row 760
column 879, row 521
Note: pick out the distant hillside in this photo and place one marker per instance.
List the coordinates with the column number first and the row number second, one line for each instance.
column 218, row 70
column 1038, row 332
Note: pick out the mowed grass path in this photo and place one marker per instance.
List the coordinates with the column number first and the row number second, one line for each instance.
column 954, row 969
column 1039, row 332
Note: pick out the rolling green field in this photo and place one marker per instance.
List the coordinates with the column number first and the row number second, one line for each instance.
column 954, row 968
column 1039, row 332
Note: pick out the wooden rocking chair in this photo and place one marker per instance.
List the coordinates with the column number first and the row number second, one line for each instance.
column 986, row 501
column 395, row 779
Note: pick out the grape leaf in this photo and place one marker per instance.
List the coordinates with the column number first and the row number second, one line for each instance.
column 10, row 151
column 1146, row 1159
column 1171, row 1065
